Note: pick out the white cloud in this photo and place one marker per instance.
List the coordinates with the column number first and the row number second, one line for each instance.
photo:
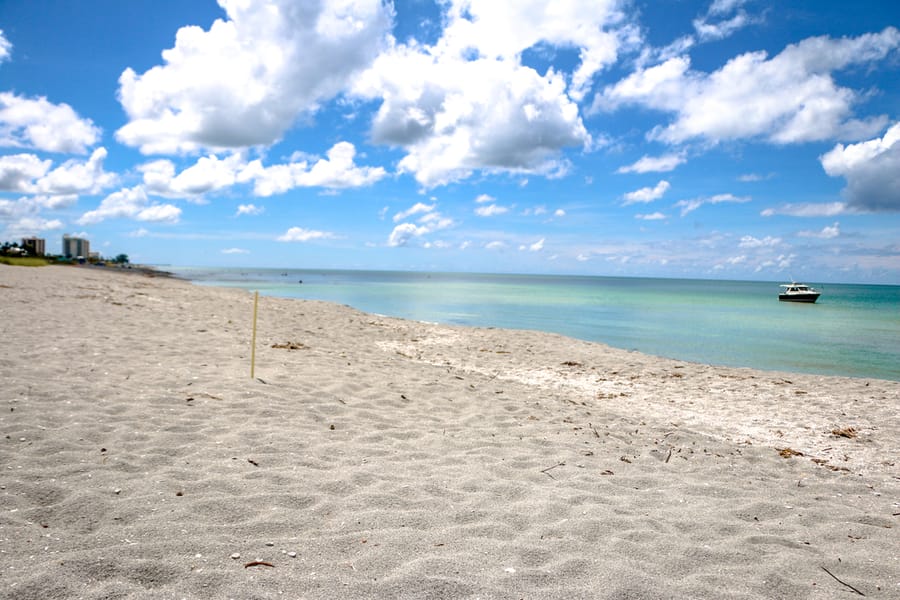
column 417, row 208
column 78, row 177
column 826, row 233
column 403, row 233
column 29, row 174
column 504, row 31
column 872, row 171
column 495, row 245
column 657, row 216
column 430, row 221
column 54, row 201
column 19, row 171
column 42, row 125
column 788, row 98
column 245, row 81
column 537, row 246
column 647, row 194
column 688, row 206
column 484, row 198
column 158, row 213
column 337, row 171
column 435, row 221
column 209, row 174
column 131, row 203
column 826, row 209
column 654, row 164
column 748, row 241
column 298, row 234
column 729, row 17
column 249, row 209
column 30, row 225
column 5, row 48
column 754, row 177
column 559, row 213
column 467, row 103
column 491, row 210
column 235, row 251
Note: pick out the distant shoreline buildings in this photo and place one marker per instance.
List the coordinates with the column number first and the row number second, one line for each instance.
column 76, row 247
column 34, row 246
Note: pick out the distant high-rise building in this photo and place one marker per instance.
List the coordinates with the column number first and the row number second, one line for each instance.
column 34, row 245
column 75, row 247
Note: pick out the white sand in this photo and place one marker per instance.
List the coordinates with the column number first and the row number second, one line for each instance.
column 384, row 458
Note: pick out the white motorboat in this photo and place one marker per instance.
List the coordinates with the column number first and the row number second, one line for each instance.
column 798, row 292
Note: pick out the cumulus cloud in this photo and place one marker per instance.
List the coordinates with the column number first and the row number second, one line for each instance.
column 78, row 177
column 647, row 194
column 5, row 48
column 337, row 171
column 245, row 81
column 789, row 98
column 826, row 233
column 30, row 225
column 131, row 203
column 299, row 234
column 872, row 171
column 472, row 115
column 26, row 173
column 535, row 247
column 657, row 216
column 249, row 209
column 689, row 206
column 430, row 221
column 209, row 174
column 503, row 31
column 723, row 18
column 18, row 172
column 235, row 251
column 41, row 125
column 403, row 233
column 467, row 103
column 415, row 209
column 491, row 210
column 654, row 164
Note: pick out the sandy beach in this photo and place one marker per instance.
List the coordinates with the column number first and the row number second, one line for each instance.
column 373, row 457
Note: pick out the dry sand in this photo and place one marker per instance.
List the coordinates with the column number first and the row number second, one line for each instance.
column 380, row 458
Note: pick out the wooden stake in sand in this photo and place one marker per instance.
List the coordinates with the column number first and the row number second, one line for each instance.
column 253, row 342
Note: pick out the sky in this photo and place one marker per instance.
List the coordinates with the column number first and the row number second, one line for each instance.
column 723, row 139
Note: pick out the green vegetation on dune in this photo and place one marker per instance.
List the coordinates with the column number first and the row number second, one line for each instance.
column 24, row 261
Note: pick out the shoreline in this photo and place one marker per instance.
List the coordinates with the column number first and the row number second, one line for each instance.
column 404, row 459
column 743, row 327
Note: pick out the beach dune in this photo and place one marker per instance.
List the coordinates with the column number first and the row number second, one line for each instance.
column 373, row 457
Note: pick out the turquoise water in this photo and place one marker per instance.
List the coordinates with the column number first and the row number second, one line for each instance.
column 853, row 330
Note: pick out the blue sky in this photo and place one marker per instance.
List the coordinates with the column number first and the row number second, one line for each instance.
column 734, row 139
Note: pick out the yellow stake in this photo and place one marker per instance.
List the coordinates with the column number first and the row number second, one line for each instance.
column 253, row 343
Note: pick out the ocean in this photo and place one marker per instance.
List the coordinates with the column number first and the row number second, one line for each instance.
column 853, row 330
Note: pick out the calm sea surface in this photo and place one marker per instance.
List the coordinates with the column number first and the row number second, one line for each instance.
column 853, row 329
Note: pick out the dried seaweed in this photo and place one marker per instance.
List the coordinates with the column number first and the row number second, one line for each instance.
column 788, row 452
column 847, row 432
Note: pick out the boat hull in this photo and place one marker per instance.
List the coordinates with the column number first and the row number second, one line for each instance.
column 808, row 298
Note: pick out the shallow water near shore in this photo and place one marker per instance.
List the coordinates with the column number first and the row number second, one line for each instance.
column 853, row 330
